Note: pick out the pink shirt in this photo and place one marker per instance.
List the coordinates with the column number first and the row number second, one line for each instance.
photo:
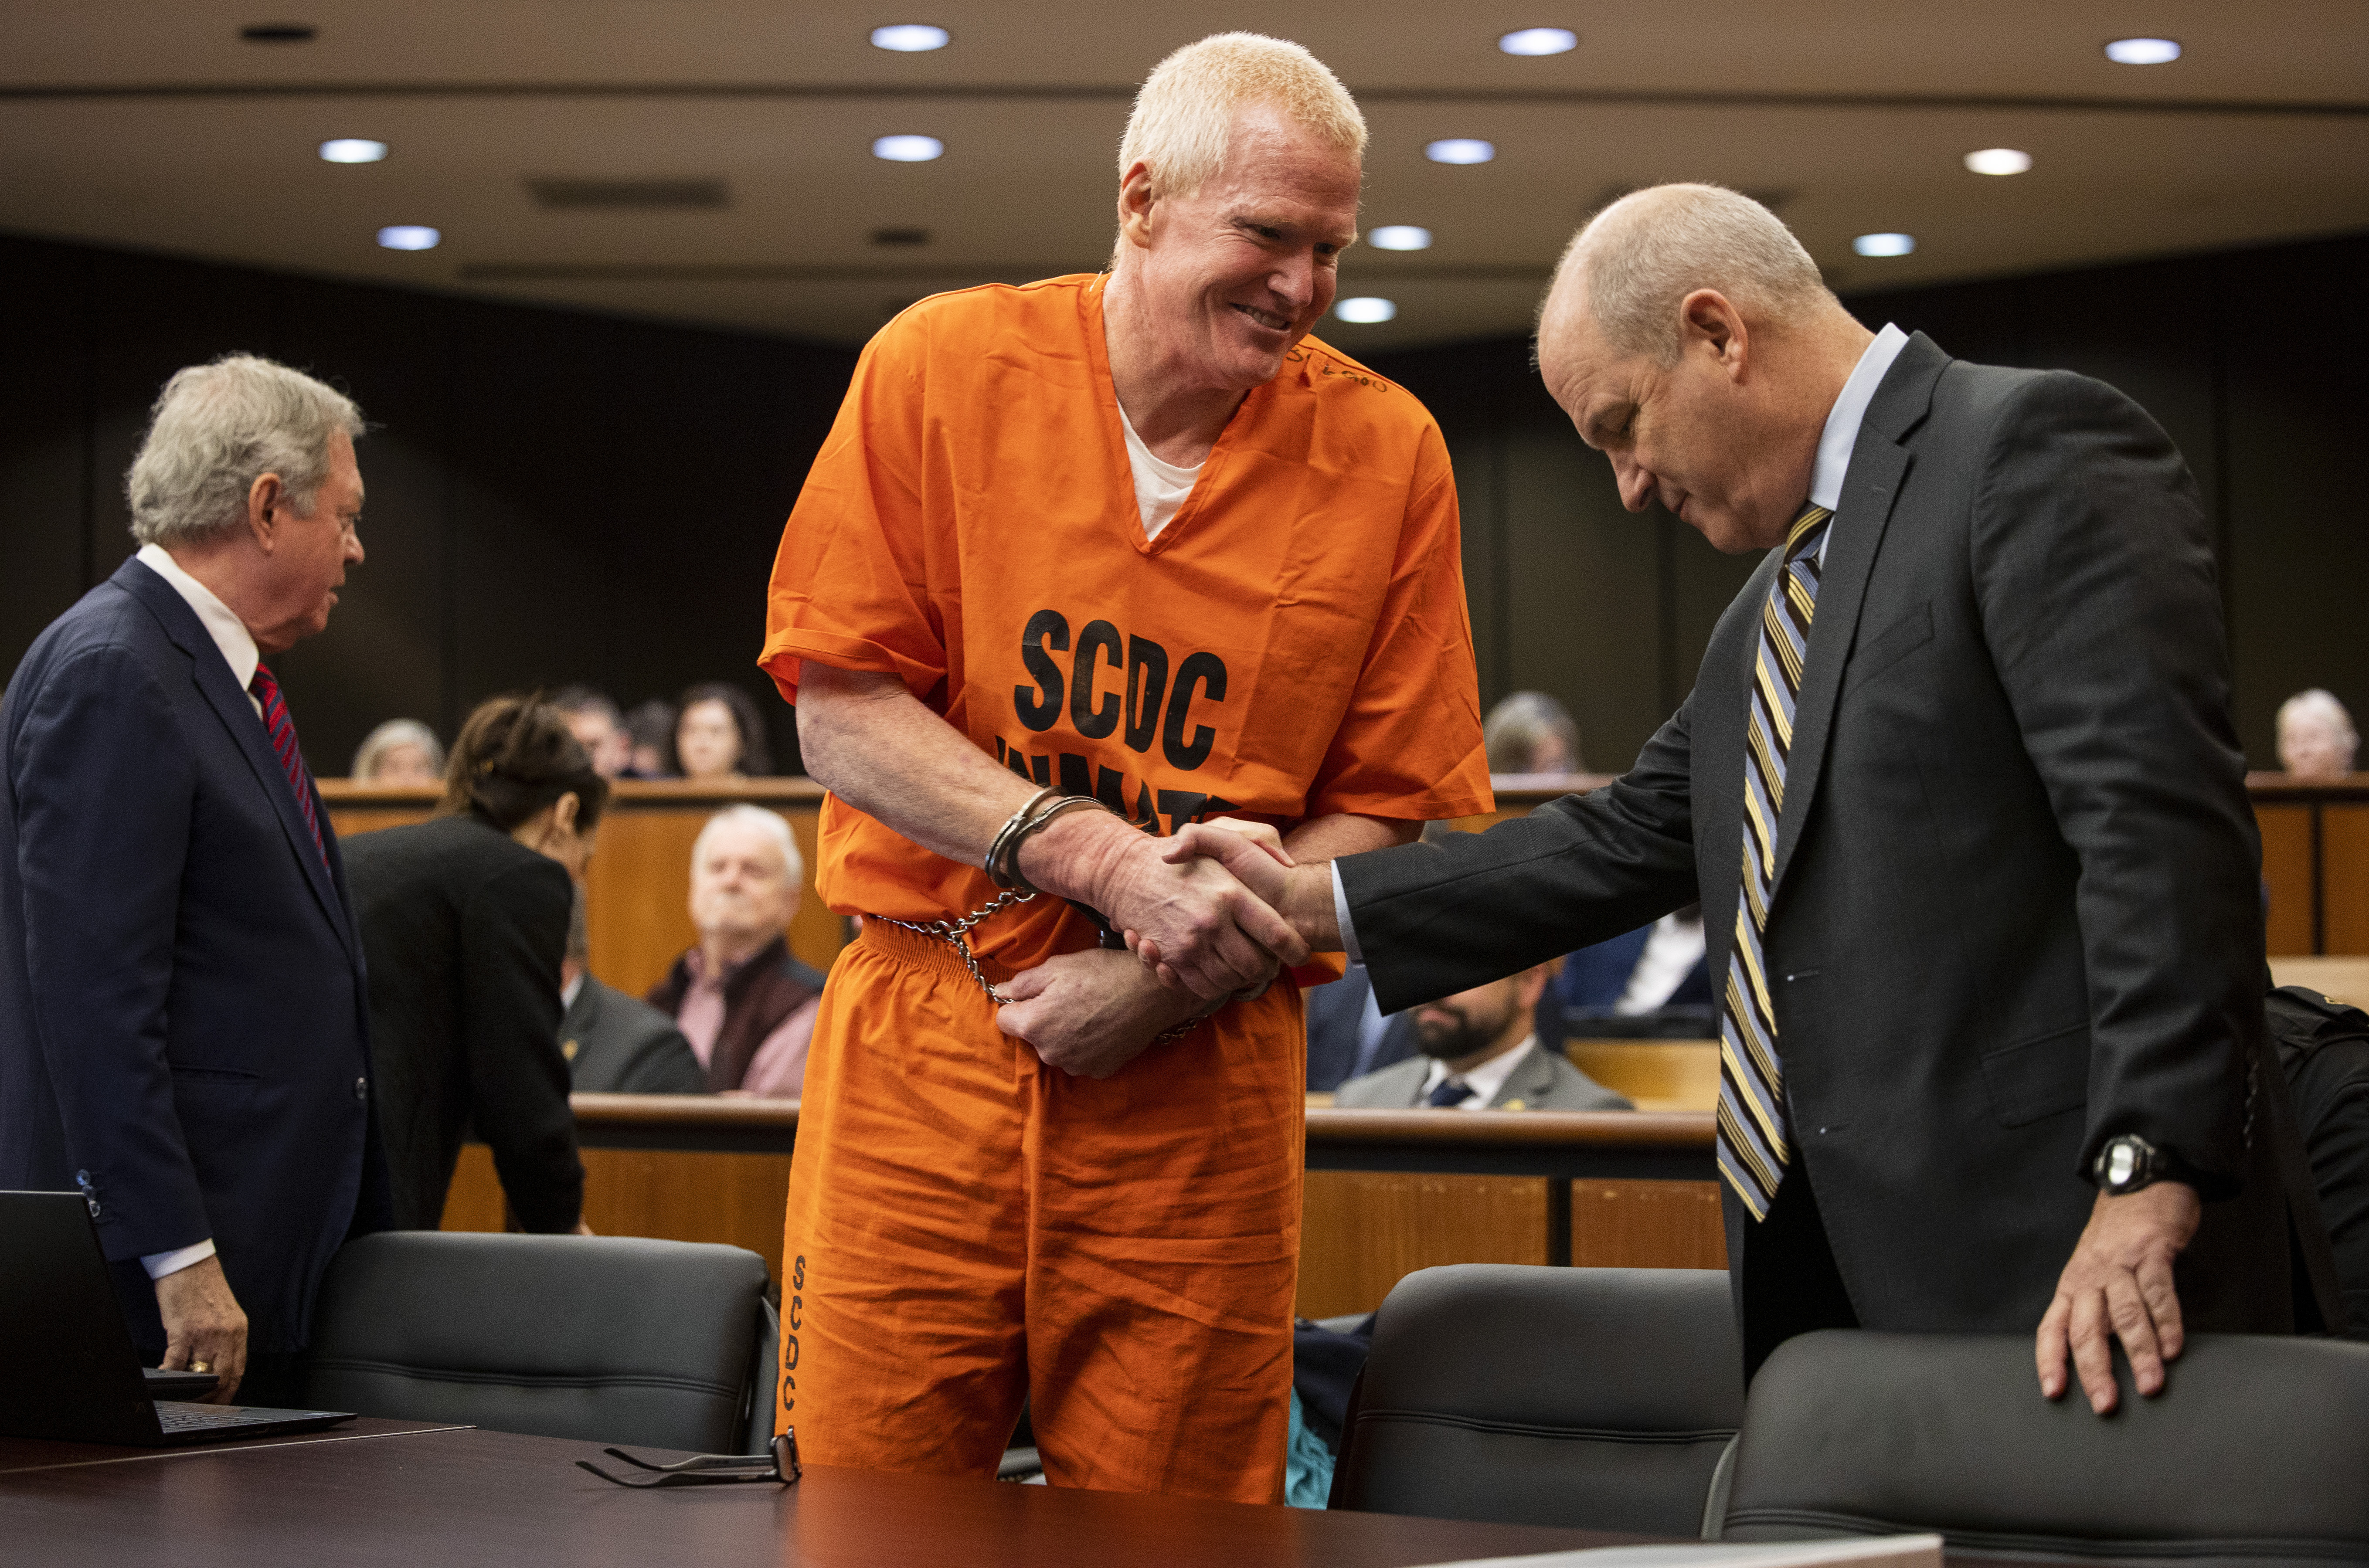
column 778, row 1070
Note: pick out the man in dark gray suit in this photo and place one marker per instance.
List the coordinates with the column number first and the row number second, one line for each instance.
column 1480, row 1052
column 1958, row 788
column 617, row 1044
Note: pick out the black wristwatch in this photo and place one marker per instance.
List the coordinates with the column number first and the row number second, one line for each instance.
column 2129, row 1163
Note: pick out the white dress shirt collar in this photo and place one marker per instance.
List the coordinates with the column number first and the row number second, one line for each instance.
column 1483, row 1081
column 1850, row 410
column 222, row 624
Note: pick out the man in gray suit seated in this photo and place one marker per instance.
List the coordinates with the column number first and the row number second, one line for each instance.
column 617, row 1044
column 1480, row 1053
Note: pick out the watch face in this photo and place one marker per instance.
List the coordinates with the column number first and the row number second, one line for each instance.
column 2122, row 1164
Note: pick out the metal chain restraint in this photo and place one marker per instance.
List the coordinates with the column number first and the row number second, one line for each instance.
column 955, row 934
column 1001, row 863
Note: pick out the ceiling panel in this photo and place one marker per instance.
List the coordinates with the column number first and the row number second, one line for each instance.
column 153, row 125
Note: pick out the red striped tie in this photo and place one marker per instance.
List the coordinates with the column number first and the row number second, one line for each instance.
column 283, row 743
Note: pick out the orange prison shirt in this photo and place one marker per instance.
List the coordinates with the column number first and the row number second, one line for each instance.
column 1295, row 642
column 965, row 1225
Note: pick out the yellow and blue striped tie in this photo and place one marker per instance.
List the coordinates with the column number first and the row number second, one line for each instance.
column 1753, row 1137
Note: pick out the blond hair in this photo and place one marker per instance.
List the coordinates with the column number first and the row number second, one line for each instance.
column 1652, row 247
column 1185, row 114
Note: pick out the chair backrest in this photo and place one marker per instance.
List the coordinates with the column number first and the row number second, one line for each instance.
column 609, row 1339
column 2257, row 1451
column 1593, row 1398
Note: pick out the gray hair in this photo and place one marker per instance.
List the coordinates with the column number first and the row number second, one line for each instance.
column 769, row 822
column 1514, row 726
column 396, row 732
column 1184, row 115
column 2322, row 703
column 216, row 429
column 1652, row 247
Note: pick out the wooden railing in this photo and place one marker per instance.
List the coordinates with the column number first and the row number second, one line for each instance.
column 1387, row 1192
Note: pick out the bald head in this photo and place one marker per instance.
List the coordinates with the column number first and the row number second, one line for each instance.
column 1636, row 261
column 1691, row 341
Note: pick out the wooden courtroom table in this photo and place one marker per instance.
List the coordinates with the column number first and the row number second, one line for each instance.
column 461, row 1498
column 1387, row 1192
column 382, row 1495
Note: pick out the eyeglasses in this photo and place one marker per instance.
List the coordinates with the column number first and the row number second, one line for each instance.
column 780, row 1464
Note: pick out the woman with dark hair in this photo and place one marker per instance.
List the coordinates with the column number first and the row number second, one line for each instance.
column 464, row 921
column 718, row 736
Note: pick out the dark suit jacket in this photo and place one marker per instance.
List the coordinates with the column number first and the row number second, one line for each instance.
column 464, row 927
column 617, row 1044
column 2323, row 1047
column 1334, row 1013
column 2016, row 911
column 183, row 1025
column 1540, row 1081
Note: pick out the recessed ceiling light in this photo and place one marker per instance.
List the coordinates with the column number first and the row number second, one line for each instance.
column 1998, row 160
column 409, row 237
column 1366, row 309
column 908, row 149
column 1539, row 40
column 2143, row 51
column 1884, row 244
column 1459, row 149
column 911, row 38
column 352, row 150
column 1399, row 237
column 279, row 32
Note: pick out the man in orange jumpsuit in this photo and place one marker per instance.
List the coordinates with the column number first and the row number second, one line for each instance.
column 1136, row 538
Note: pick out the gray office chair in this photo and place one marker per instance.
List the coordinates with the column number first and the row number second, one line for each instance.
column 2257, row 1451
column 609, row 1339
column 1593, row 1398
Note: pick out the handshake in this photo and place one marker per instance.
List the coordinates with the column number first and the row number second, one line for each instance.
column 1220, row 907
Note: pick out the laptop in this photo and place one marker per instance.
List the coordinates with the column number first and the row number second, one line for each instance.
column 79, row 1380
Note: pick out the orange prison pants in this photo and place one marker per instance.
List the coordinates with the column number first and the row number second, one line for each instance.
column 967, row 1226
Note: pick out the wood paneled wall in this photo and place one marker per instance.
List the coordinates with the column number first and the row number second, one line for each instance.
column 637, row 889
column 1361, row 1231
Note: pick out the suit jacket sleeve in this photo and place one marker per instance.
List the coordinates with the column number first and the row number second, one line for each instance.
column 513, row 931
column 1434, row 919
column 103, row 785
column 2094, row 570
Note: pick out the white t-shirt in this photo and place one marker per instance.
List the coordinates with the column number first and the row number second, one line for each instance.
column 1160, row 488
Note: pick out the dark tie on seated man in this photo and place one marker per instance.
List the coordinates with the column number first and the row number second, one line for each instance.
column 1480, row 1053
column 1959, row 788
column 183, row 1035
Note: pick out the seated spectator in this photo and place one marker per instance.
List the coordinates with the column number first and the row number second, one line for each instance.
column 1653, row 981
column 464, row 921
column 2324, row 1053
column 651, row 727
column 617, row 1044
column 2315, row 737
column 747, row 1007
column 1529, row 732
column 719, row 735
column 1348, row 1036
column 400, row 751
column 1480, row 1053
column 593, row 719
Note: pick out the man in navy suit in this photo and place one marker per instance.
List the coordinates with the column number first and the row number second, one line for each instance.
column 182, row 1009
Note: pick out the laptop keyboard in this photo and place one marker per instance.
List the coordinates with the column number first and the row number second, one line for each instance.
column 175, row 1417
